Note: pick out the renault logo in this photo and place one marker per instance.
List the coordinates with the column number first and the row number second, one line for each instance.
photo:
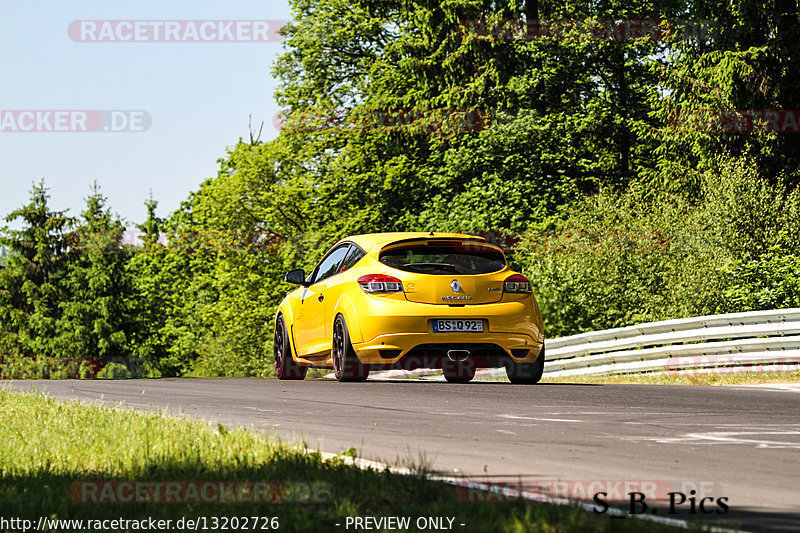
column 456, row 286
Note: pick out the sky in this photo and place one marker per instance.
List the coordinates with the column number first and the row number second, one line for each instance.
column 196, row 98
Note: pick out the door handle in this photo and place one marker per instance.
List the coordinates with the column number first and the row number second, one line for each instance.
column 320, row 297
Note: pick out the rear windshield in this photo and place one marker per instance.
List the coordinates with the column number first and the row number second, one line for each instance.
column 458, row 258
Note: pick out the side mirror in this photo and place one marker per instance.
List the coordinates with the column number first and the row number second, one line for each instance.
column 298, row 277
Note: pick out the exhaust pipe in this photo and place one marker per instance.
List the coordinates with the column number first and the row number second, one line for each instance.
column 458, row 356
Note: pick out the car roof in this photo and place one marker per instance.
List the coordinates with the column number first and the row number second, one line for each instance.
column 371, row 241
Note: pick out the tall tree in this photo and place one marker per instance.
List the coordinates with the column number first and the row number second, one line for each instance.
column 97, row 313
column 156, row 290
column 31, row 282
column 742, row 57
column 466, row 115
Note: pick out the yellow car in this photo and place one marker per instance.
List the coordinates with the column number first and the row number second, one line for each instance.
column 406, row 301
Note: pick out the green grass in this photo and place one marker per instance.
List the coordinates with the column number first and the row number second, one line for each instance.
column 49, row 444
column 711, row 378
column 652, row 378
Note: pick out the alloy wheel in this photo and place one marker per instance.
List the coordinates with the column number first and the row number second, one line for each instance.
column 279, row 358
column 338, row 350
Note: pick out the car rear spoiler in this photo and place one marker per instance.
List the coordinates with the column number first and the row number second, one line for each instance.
column 473, row 239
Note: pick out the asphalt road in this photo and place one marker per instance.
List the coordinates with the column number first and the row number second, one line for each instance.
column 739, row 443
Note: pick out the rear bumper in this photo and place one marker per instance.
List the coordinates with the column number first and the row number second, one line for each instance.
column 393, row 331
column 429, row 350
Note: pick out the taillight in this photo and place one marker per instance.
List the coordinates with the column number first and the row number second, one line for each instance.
column 516, row 283
column 379, row 283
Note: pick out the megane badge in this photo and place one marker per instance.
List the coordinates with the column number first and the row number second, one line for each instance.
column 456, row 286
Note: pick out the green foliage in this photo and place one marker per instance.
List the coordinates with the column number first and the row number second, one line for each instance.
column 743, row 58
column 156, row 283
column 42, row 367
column 114, row 371
column 229, row 271
column 66, row 298
column 619, row 258
column 98, row 319
column 31, row 282
column 546, row 119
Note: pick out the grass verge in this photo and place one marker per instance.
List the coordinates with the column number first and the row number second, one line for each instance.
column 48, row 445
column 653, row 378
column 708, row 378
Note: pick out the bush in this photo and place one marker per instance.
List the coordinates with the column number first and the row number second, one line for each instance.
column 114, row 371
column 219, row 358
column 43, row 367
column 617, row 259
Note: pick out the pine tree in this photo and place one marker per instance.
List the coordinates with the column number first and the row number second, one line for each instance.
column 98, row 323
column 31, row 282
column 149, row 267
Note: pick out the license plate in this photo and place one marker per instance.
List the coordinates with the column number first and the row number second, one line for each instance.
column 445, row 325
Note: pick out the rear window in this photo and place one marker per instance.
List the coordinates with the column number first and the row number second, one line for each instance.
column 438, row 258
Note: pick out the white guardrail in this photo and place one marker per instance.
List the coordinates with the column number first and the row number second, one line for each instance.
column 757, row 340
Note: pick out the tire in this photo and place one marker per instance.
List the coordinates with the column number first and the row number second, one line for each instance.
column 285, row 366
column 461, row 372
column 526, row 373
column 346, row 365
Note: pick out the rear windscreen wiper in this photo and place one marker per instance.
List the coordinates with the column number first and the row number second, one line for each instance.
column 440, row 266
